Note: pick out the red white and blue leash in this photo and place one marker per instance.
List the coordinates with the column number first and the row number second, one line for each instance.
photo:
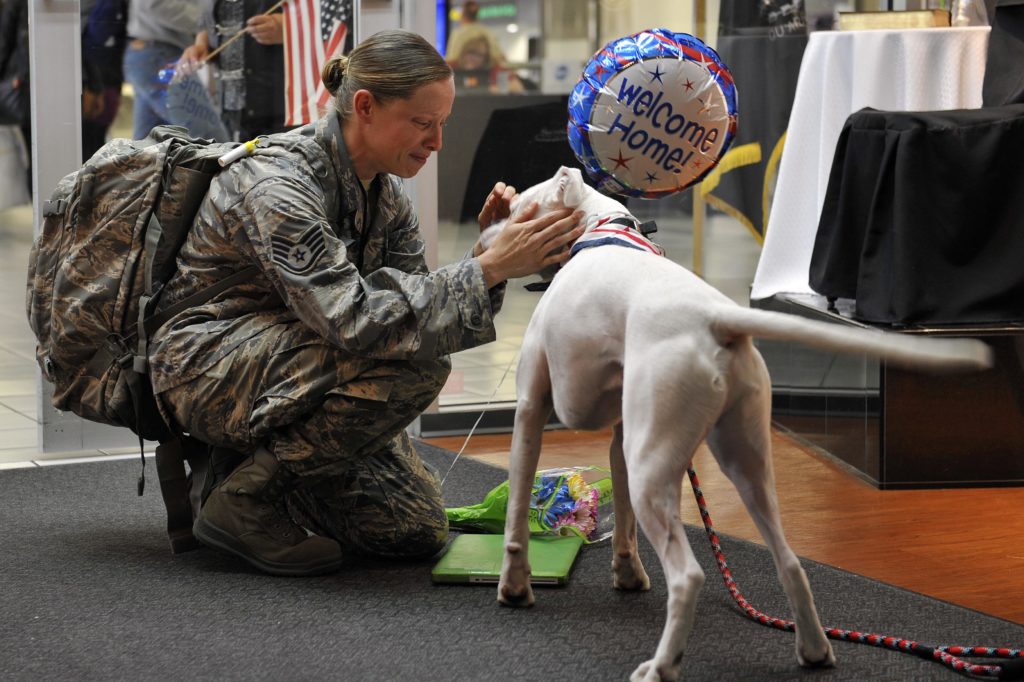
column 948, row 655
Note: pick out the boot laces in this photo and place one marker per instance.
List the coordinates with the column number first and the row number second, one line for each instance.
column 278, row 518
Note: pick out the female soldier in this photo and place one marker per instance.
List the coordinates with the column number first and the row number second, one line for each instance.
column 314, row 365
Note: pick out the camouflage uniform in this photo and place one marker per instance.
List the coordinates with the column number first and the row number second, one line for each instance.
column 333, row 348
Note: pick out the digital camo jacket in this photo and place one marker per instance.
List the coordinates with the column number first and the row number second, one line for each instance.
column 296, row 210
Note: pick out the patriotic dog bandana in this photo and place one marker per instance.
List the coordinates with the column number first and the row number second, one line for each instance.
column 618, row 230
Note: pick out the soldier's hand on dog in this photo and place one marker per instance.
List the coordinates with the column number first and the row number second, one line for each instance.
column 529, row 244
column 498, row 206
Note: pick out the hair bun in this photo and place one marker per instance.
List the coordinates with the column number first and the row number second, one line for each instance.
column 333, row 73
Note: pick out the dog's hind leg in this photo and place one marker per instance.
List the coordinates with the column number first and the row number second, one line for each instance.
column 658, row 450
column 534, row 405
column 741, row 443
column 627, row 571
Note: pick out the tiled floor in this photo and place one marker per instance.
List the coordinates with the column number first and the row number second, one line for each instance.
column 18, row 409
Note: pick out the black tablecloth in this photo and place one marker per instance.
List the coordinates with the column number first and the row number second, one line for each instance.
column 1004, row 73
column 521, row 146
column 923, row 219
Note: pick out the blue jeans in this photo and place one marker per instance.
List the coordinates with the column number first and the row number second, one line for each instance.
column 143, row 60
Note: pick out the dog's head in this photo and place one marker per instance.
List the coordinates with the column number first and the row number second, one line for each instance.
column 565, row 189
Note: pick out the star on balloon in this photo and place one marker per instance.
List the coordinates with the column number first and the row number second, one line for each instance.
column 621, row 162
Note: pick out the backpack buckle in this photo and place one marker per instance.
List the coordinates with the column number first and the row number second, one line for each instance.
column 140, row 364
column 54, row 207
column 48, row 368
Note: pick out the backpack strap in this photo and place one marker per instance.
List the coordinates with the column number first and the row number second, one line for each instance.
column 153, row 322
column 174, row 484
column 184, row 493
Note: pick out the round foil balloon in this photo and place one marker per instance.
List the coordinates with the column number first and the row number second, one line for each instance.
column 652, row 113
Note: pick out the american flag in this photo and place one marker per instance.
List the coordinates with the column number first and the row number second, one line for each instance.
column 314, row 31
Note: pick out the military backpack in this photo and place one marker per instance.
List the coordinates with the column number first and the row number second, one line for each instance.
column 109, row 242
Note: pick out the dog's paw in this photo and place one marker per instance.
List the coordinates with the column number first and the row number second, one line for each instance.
column 514, row 584
column 628, row 574
column 516, row 596
column 648, row 672
column 819, row 657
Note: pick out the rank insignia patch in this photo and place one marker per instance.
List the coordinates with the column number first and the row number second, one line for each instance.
column 300, row 255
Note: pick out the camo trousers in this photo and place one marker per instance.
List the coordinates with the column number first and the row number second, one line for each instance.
column 338, row 422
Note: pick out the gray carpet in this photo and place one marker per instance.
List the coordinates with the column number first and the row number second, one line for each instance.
column 90, row 591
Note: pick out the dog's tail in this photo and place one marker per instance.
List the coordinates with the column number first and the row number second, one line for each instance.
column 906, row 350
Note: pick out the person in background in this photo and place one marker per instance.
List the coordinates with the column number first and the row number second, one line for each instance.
column 251, row 69
column 158, row 32
column 335, row 336
column 104, row 25
column 14, row 74
column 473, row 52
column 102, row 42
column 470, row 30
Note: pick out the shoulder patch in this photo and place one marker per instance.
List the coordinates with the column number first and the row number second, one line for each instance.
column 299, row 255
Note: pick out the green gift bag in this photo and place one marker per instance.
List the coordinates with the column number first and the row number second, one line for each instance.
column 568, row 500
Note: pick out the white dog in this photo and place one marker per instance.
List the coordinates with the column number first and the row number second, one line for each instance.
column 625, row 338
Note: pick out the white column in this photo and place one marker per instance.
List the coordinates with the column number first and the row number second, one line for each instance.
column 56, row 91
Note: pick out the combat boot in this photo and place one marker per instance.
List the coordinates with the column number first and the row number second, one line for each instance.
column 246, row 516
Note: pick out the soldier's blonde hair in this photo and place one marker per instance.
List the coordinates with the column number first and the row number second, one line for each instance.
column 390, row 64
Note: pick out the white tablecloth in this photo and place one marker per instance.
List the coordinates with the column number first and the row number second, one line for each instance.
column 841, row 72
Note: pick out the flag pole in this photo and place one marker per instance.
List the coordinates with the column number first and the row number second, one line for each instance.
column 238, row 35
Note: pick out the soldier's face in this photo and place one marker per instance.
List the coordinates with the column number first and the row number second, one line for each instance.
column 407, row 131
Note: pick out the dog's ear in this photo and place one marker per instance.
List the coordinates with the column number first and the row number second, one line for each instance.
column 571, row 186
